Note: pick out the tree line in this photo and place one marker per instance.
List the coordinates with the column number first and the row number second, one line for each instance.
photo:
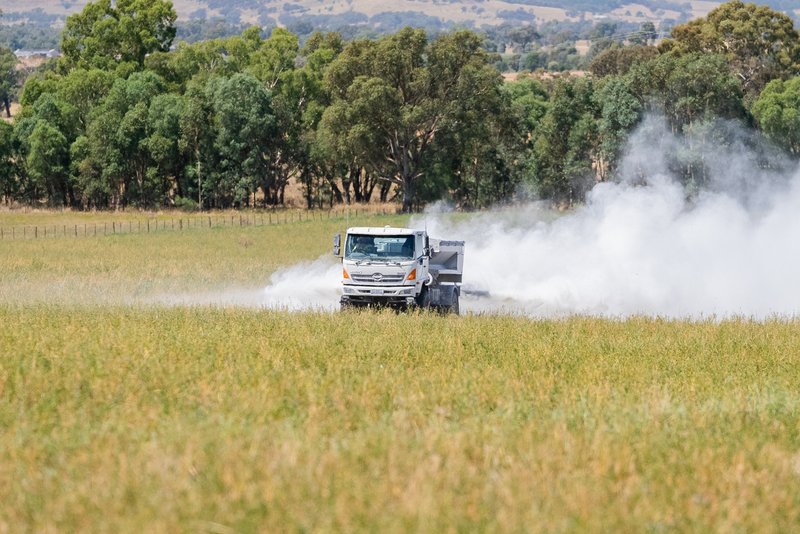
column 122, row 119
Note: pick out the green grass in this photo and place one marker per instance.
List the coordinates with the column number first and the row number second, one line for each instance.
column 122, row 417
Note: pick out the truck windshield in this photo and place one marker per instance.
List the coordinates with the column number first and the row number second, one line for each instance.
column 379, row 247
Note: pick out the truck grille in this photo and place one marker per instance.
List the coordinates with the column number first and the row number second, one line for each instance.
column 385, row 279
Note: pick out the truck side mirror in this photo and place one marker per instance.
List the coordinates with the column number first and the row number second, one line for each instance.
column 337, row 244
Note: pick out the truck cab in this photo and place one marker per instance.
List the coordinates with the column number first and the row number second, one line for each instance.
column 399, row 267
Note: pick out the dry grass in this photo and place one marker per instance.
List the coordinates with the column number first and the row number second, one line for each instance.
column 131, row 418
column 129, row 268
column 128, row 419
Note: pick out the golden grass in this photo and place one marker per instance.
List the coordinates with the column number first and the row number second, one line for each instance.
column 132, row 418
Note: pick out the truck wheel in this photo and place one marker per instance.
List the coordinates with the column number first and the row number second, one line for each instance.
column 454, row 307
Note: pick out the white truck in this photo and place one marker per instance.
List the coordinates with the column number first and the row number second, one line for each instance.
column 399, row 267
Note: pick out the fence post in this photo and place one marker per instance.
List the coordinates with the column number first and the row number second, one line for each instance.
column 180, row 224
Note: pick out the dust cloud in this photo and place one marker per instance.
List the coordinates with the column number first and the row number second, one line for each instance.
column 725, row 244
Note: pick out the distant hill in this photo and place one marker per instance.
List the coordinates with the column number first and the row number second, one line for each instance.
column 381, row 16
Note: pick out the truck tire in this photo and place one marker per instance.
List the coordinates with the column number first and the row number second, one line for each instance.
column 454, row 307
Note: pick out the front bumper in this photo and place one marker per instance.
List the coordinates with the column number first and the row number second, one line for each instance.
column 379, row 294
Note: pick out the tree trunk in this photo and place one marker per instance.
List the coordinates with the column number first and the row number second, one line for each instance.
column 385, row 188
column 355, row 180
column 337, row 193
column 408, row 194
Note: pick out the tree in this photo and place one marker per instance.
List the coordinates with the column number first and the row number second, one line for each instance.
column 646, row 34
column 688, row 88
column 108, row 35
column 617, row 61
column 84, row 90
column 620, row 112
column 216, row 57
column 48, row 163
column 162, row 142
column 8, row 163
column 275, row 57
column 197, row 140
column 566, row 143
column 759, row 43
column 8, row 77
column 45, row 132
column 116, row 157
column 394, row 96
column 303, row 98
column 777, row 111
column 523, row 36
column 244, row 123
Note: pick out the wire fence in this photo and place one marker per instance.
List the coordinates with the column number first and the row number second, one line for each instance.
column 151, row 225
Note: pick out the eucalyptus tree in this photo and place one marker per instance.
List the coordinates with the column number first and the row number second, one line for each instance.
column 115, row 160
column 8, row 77
column 9, row 185
column 245, row 138
column 117, row 35
column 688, row 88
column 620, row 111
column 45, row 132
column 392, row 97
column 777, row 111
column 566, row 142
column 759, row 43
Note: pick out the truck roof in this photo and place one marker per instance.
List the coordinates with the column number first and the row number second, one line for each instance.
column 381, row 230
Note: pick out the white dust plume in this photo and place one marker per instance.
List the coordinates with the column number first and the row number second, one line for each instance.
column 305, row 286
column 646, row 245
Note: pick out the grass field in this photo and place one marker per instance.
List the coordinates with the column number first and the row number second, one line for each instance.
column 116, row 416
